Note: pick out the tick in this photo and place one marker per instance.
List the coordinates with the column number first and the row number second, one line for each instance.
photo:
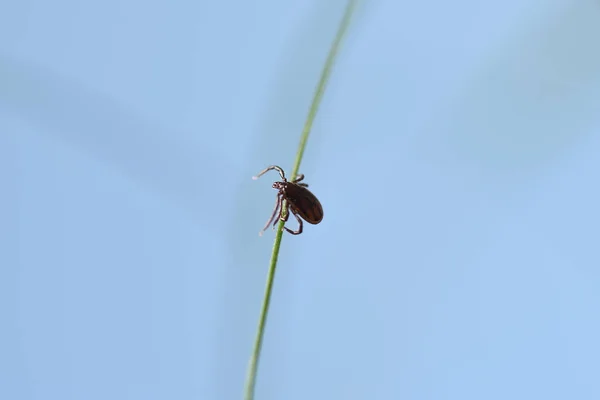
column 298, row 201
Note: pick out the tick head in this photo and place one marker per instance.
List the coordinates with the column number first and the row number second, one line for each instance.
column 279, row 185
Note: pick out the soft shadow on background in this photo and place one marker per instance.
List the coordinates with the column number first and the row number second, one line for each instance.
column 455, row 154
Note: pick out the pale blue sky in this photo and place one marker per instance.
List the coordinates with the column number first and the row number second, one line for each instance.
column 455, row 155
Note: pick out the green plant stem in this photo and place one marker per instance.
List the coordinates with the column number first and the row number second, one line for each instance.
column 314, row 107
column 253, row 366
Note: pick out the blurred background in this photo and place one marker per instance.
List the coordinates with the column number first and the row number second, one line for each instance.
column 455, row 154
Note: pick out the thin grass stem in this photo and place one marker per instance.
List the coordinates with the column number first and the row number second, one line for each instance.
column 326, row 72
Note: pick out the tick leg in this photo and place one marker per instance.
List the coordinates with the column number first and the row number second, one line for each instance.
column 299, row 231
column 277, row 206
column 264, row 171
column 284, row 219
column 299, row 177
column 287, row 213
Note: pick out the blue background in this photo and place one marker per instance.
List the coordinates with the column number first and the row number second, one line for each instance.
column 455, row 153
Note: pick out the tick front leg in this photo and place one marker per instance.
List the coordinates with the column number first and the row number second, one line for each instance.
column 299, row 177
column 264, row 171
column 299, row 231
column 277, row 206
column 281, row 218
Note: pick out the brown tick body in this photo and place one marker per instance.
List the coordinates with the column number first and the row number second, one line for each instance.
column 298, row 201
